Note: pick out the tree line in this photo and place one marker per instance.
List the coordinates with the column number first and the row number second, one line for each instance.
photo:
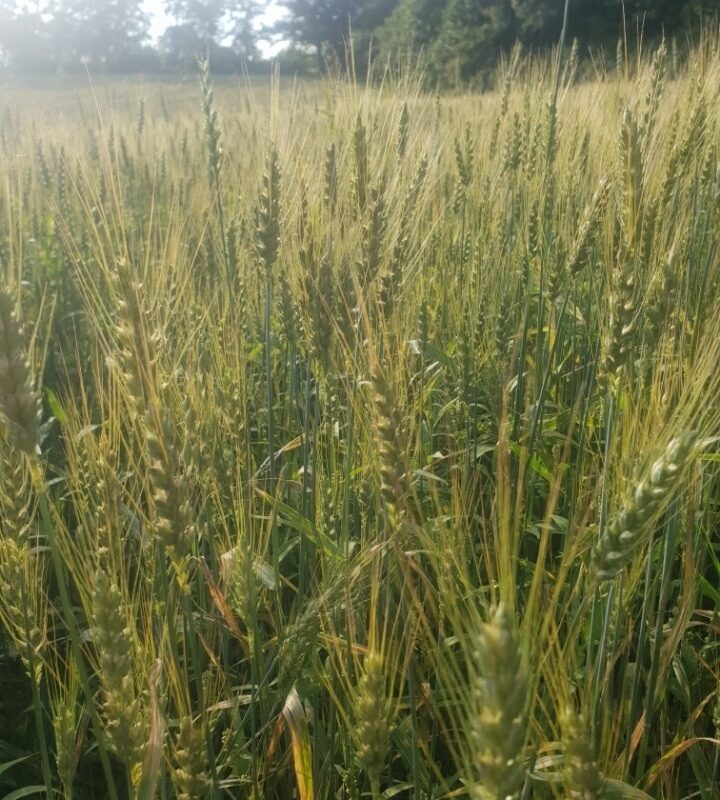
column 454, row 39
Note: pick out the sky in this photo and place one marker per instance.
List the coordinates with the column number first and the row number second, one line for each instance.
column 160, row 21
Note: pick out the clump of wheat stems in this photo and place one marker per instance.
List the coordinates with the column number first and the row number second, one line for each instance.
column 290, row 479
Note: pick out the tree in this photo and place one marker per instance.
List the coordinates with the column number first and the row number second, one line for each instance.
column 111, row 32
column 241, row 17
column 25, row 43
column 367, row 20
column 180, row 47
column 368, row 16
column 322, row 24
column 204, row 27
column 202, row 16
column 412, row 26
column 68, row 33
column 472, row 34
column 538, row 21
column 327, row 25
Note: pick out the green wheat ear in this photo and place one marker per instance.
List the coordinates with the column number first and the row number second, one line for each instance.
column 372, row 714
column 648, row 498
column 20, row 403
column 125, row 725
column 582, row 778
column 212, row 125
column 267, row 235
column 190, row 774
column 499, row 725
column 19, row 572
column 394, row 481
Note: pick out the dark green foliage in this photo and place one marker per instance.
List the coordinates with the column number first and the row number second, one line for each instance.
column 471, row 34
column 460, row 38
column 537, row 20
column 454, row 39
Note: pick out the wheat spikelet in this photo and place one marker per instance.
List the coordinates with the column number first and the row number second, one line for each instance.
column 239, row 577
column 233, row 252
column 582, row 778
column 498, row 727
column 65, row 729
column 15, row 496
column 172, row 521
column 650, row 495
column 360, row 149
column 633, row 176
column 19, row 401
column 43, row 168
column 654, row 94
column 394, row 485
column 503, row 326
column 591, row 220
column 372, row 719
column 622, row 326
column 677, row 163
column 125, row 726
column 141, row 118
column 373, row 238
column 267, row 234
column 212, row 126
column 512, row 155
column 403, row 131
column 660, row 306
column 190, row 774
column 465, row 164
column 319, row 294
column 330, row 178
column 20, row 573
column 299, row 643
column 133, row 353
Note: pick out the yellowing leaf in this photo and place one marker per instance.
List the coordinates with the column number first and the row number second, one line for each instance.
column 297, row 724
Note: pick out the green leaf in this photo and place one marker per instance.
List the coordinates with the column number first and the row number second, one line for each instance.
column 9, row 764
column 26, row 791
column 709, row 591
column 535, row 464
column 615, row 790
column 57, row 410
column 301, row 745
column 295, row 520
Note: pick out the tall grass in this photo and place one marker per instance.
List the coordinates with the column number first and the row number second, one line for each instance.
column 359, row 442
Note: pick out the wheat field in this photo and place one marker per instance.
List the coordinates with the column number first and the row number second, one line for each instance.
column 359, row 441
